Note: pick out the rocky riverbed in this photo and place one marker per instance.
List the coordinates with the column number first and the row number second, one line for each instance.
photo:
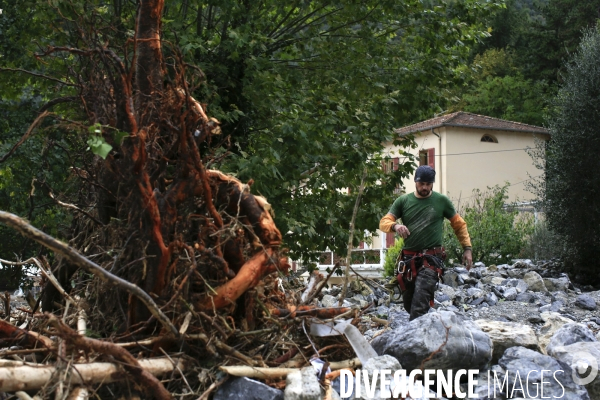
column 510, row 322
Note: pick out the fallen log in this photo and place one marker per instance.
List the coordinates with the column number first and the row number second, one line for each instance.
column 19, row 376
column 278, row 373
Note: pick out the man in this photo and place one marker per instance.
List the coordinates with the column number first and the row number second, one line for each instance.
column 422, row 214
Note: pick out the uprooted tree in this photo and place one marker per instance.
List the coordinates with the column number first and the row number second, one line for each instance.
column 150, row 211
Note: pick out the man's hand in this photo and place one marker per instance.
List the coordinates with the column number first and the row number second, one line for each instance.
column 467, row 258
column 402, row 231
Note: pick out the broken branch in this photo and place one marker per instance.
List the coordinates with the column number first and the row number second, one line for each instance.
column 17, row 376
column 277, row 373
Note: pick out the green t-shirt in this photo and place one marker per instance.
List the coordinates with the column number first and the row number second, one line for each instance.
column 423, row 218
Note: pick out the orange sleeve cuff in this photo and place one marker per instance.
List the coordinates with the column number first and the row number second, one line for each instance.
column 387, row 223
column 460, row 230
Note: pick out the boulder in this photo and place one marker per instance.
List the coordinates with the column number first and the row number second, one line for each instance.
column 586, row 302
column 475, row 293
column 515, row 273
column 398, row 318
column 577, row 356
column 441, row 297
column 446, row 290
column 568, row 334
column 459, row 269
column 523, row 263
column 438, row 340
column 477, row 301
column 518, row 284
column 559, row 296
column 552, row 322
column 557, row 284
column 508, row 334
column 526, row 297
column 535, row 319
column 524, row 374
column 247, row 389
column 450, row 278
column 497, row 280
column 535, row 282
column 554, row 307
column 510, row 293
column 302, row 385
column 491, row 299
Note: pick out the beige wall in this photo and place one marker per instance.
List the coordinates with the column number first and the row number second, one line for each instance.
column 484, row 164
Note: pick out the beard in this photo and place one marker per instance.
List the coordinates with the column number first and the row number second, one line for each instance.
column 424, row 192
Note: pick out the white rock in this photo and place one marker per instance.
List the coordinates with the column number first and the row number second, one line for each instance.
column 302, row 385
column 552, row 322
column 508, row 334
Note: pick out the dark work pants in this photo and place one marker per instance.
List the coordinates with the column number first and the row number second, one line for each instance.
column 419, row 292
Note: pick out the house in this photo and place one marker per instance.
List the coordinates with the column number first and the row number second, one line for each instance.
column 468, row 151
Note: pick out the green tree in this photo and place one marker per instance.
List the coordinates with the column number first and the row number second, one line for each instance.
column 497, row 88
column 307, row 92
column 572, row 198
column 311, row 90
column 40, row 164
column 547, row 42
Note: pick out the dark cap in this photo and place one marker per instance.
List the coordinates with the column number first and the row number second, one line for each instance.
column 425, row 174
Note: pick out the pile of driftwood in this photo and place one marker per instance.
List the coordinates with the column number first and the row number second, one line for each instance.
column 50, row 356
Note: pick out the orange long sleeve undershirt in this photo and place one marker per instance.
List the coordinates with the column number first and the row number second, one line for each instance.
column 460, row 230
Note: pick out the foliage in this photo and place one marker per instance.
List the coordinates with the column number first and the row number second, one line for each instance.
column 536, row 37
column 572, row 198
column 389, row 265
column 499, row 89
column 307, row 92
column 41, row 164
column 542, row 243
column 498, row 234
column 506, row 26
column 548, row 41
column 512, row 98
column 25, row 178
column 310, row 90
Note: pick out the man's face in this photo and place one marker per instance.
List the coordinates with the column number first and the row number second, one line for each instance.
column 424, row 188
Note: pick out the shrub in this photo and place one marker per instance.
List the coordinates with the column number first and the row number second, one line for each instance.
column 542, row 244
column 389, row 265
column 498, row 234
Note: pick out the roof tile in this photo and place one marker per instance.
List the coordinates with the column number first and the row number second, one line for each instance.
column 470, row 120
